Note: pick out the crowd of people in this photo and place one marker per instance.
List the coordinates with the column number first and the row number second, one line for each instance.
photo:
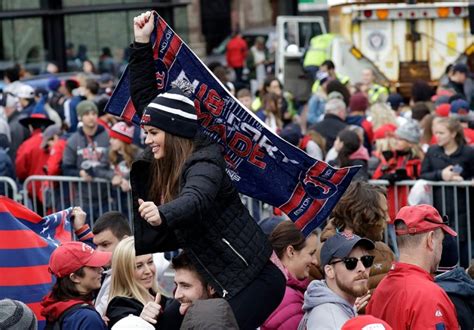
column 230, row 273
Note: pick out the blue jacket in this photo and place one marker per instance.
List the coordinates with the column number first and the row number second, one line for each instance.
column 83, row 318
column 460, row 289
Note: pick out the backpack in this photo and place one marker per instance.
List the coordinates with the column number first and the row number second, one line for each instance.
column 58, row 324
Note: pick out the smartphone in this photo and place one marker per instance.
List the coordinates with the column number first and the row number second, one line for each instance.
column 457, row 169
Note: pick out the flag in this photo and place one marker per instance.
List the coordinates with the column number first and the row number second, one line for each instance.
column 260, row 163
column 26, row 242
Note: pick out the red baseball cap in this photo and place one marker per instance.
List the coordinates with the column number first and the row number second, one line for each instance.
column 366, row 322
column 70, row 256
column 421, row 218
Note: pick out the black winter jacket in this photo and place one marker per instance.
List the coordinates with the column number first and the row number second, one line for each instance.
column 436, row 160
column 121, row 307
column 455, row 203
column 207, row 218
column 329, row 127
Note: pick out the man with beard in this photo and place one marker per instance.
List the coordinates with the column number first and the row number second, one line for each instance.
column 190, row 286
column 408, row 298
column 328, row 304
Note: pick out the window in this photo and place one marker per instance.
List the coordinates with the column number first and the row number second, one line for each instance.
column 88, row 34
column 73, row 3
column 19, row 4
column 22, row 42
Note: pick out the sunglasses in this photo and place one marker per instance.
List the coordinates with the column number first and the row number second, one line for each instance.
column 351, row 262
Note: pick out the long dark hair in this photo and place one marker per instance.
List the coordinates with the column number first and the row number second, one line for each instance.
column 64, row 289
column 285, row 234
column 351, row 142
column 166, row 172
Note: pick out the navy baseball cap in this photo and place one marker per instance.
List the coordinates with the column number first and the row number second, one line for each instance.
column 341, row 245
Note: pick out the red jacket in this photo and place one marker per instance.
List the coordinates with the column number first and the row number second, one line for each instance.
column 236, row 53
column 53, row 165
column 397, row 198
column 408, row 298
column 30, row 160
column 289, row 313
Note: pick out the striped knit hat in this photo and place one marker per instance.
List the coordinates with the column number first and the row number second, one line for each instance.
column 172, row 112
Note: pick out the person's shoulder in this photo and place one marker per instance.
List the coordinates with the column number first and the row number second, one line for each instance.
column 327, row 316
column 83, row 318
column 124, row 301
column 206, row 150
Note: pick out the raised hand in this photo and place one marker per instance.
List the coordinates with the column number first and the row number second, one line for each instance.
column 143, row 27
column 151, row 310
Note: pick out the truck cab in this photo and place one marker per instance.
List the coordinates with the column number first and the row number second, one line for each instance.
column 293, row 36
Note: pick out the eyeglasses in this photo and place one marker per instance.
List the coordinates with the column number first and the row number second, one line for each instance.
column 351, row 262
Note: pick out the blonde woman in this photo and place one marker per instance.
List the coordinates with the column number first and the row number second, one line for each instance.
column 381, row 114
column 134, row 288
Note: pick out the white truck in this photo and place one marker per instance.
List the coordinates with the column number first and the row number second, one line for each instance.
column 406, row 41
column 402, row 42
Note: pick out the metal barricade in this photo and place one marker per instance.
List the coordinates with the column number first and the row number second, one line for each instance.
column 9, row 188
column 449, row 198
column 47, row 194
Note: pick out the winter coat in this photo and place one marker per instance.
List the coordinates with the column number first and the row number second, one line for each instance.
column 316, row 106
column 397, row 166
column 90, row 154
column 460, row 289
column 207, row 218
column 360, row 157
column 53, row 165
column 324, row 309
column 210, row 314
column 120, row 307
column 329, row 127
column 18, row 133
column 434, row 162
column 30, row 160
column 236, row 52
column 82, row 318
column 289, row 313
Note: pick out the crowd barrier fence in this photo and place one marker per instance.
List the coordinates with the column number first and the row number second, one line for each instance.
column 54, row 193
column 451, row 199
column 9, row 188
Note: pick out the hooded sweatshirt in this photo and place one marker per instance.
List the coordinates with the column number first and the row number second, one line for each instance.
column 460, row 289
column 324, row 309
column 83, row 318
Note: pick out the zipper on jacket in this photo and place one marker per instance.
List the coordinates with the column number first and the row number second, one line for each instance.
column 224, row 291
column 235, row 251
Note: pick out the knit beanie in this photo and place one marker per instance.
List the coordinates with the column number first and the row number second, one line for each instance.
column 410, row 131
column 122, row 132
column 172, row 112
column 85, row 106
column 358, row 102
column 16, row 315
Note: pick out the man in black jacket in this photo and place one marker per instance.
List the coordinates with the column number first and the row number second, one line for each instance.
column 333, row 122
